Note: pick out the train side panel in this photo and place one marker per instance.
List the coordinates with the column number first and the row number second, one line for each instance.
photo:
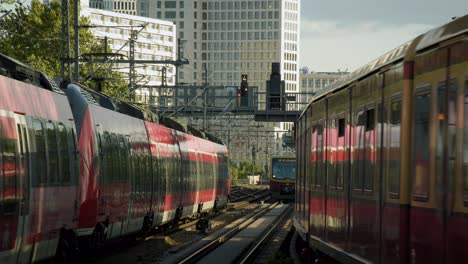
column 38, row 169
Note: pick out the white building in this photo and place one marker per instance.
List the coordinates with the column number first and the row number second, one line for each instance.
column 157, row 41
column 120, row 6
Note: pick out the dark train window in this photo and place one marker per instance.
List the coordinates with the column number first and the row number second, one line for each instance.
column 137, row 166
column 123, row 149
column 393, row 157
column 341, row 127
column 8, row 177
column 395, row 116
column 107, row 157
column 2, row 184
column 313, row 145
column 53, row 156
column 370, row 119
column 357, row 162
column 421, row 140
column 64, row 154
column 115, row 159
column 40, row 156
column 341, row 151
column 368, row 158
column 320, row 155
column 465, row 144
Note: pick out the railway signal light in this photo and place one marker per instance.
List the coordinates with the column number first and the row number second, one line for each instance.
column 244, row 91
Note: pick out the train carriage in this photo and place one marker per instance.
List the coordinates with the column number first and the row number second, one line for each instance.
column 385, row 166
column 81, row 166
column 39, row 168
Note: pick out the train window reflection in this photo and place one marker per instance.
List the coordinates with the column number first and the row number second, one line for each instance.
column 40, row 164
column 64, row 154
column 393, row 156
column 465, row 143
column 53, row 157
column 422, row 107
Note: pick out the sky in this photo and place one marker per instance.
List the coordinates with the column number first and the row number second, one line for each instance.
column 347, row 34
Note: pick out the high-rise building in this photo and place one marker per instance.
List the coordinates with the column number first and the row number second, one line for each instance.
column 120, row 6
column 223, row 39
column 312, row 82
column 234, row 37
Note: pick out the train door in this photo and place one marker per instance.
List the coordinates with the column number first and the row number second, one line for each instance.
column 161, row 180
column 364, row 232
column 338, row 107
column 23, row 161
column 394, row 216
column 14, row 190
column 317, row 193
column 432, row 168
column 456, row 150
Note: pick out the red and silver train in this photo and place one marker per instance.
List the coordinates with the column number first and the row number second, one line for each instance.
column 383, row 157
column 77, row 164
column 283, row 177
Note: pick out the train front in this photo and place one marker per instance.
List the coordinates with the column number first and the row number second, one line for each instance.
column 283, row 177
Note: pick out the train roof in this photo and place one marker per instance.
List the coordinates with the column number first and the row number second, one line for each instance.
column 432, row 37
column 103, row 100
column 189, row 129
column 12, row 68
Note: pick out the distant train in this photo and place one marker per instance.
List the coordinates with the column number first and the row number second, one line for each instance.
column 76, row 165
column 383, row 157
column 283, row 177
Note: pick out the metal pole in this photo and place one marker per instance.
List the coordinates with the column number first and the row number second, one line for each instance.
column 66, row 63
column 176, row 88
column 255, row 153
column 204, row 98
column 77, row 47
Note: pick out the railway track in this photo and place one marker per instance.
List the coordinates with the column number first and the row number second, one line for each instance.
column 238, row 241
column 137, row 247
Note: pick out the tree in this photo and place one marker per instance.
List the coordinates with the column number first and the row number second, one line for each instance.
column 33, row 34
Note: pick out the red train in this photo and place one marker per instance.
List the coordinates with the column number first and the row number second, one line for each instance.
column 283, row 177
column 77, row 165
column 383, row 157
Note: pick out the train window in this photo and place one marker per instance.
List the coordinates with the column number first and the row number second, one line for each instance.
column 64, row 154
column 370, row 119
column 421, row 157
column 368, row 159
column 40, row 156
column 341, row 150
column 2, row 192
column 53, row 156
column 395, row 115
column 393, row 157
column 341, row 127
column 115, row 174
column 137, row 172
column 465, row 145
column 107, row 158
column 8, row 187
column 313, row 158
column 123, row 159
column 358, row 152
column 330, row 149
column 319, row 154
